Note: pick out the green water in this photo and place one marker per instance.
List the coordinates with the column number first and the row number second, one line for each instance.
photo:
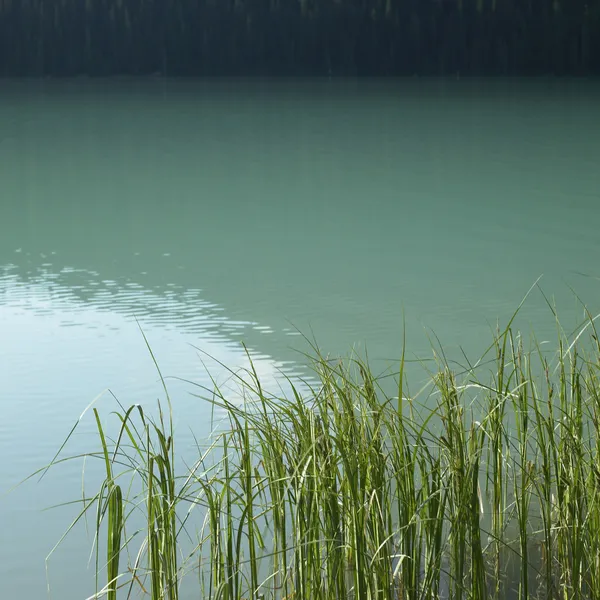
column 230, row 211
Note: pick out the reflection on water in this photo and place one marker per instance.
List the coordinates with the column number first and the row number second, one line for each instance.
column 48, row 314
column 75, row 290
column 220, row 212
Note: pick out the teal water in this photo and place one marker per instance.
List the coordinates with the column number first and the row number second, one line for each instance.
column 219, row 212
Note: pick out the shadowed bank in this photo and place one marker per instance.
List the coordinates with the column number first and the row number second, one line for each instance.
column 299, row 37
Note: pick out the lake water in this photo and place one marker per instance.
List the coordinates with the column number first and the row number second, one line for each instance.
column 226, row 211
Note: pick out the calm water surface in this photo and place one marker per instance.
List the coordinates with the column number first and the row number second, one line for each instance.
column 220, row 212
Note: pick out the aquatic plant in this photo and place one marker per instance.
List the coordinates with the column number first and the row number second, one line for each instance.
column 485, row 483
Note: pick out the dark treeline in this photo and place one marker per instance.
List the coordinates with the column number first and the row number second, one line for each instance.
column 294, row 37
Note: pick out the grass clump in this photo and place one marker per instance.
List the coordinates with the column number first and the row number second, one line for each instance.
column 485, row 484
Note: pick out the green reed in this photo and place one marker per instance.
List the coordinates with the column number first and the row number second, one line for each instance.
column 484, row 484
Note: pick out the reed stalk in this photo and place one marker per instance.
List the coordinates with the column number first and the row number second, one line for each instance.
column 480, row 485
